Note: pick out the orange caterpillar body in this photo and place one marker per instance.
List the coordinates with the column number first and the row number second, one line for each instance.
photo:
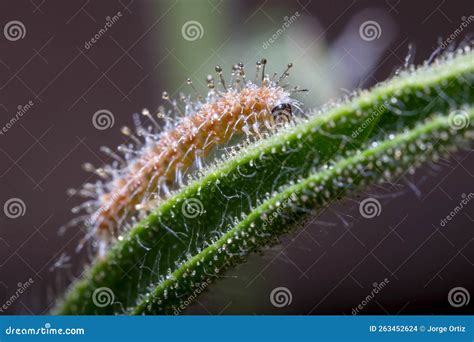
column 158, row 166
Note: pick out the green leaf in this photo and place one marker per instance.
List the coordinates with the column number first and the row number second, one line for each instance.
column 281, row 212
column 168, row 258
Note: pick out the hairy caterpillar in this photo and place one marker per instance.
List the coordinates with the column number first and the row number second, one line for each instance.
column 153, row 166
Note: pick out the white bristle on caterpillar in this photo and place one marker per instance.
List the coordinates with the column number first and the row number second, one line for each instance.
column 152, row 167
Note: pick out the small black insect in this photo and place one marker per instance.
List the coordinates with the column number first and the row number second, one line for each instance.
column 282, row 113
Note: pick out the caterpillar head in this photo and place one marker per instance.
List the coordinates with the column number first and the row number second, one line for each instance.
column 282, row 114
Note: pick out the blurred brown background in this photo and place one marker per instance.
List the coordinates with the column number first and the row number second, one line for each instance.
column 330, row 266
